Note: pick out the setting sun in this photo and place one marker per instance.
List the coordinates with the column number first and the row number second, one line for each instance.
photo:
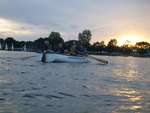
column 130, row 39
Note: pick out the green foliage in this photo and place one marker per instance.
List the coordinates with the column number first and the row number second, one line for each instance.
column 38, row 44
column 98, row 46
column 68, row 44
column 54, row 39
column 85, row 37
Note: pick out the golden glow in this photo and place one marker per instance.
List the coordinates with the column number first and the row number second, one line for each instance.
column 131, row 107
column 135, row 98
column 129, row 39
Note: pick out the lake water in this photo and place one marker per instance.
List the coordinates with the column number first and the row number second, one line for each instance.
column 28, row 86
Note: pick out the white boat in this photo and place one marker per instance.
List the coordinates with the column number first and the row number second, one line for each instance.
column 64, row 58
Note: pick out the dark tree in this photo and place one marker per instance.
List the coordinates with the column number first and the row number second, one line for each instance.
column 143, row 45
column 102, row 44
column 112, row 45
column 54, row 39
column 30, row 45
column 85, row 37
column 38, row 44
column 19, row 44
column 69, row 44
column 99, row 46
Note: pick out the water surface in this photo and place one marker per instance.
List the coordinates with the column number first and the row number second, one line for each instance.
column 28, row 86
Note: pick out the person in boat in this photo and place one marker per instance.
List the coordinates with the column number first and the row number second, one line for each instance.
column 78, row 50
column 81, row 50
column 73, row 49
column 45, row 51
column 60, row 48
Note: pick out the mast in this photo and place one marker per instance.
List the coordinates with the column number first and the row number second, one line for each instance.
column 25, row 47
column 12, row 47
column 6, row 46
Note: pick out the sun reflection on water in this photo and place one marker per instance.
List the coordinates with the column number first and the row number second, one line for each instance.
column 131, row 99
column 133, row 108
column 136, row 98
column 130, row 74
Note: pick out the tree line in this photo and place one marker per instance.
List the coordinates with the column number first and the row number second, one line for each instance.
column 84, row 38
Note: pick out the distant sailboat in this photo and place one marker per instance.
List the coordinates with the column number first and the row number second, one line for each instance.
column 25, row 47
column 12, row 47
column 6, row 46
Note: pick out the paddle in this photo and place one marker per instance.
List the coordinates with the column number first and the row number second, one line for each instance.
column 100, row 60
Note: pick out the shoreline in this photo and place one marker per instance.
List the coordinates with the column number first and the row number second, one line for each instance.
column 91, row 53
column 138, row 56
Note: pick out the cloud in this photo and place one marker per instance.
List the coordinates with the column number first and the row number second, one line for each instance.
column 19, row 29
column 30, row 19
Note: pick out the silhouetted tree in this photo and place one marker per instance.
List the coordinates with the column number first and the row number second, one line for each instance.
column 30, row 45
column 112, row 45
column 127, row 48
column 85, row 37
column 69, row 43
column 19, row 44
column 98, row 46
column 54, row 39
column 38, row 44
column 102, row 44
column 142, row 47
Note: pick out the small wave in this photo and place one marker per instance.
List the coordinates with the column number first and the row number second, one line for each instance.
column 84, row 86
column 48, row 105
column 86, row 95
column 53, row 96
column 29, row 96
column 20, row 90
column 24, row 72
column 2, row 99
column 66, row 94
column 34, row 88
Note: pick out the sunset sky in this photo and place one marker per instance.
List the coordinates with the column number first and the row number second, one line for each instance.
column 120, row 19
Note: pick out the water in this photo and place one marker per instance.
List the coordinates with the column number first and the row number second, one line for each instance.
column 28, row 86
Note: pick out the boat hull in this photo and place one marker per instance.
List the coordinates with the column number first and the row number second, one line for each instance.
column 65, row 58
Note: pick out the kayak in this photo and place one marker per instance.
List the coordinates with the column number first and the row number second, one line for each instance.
column 65, row 58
